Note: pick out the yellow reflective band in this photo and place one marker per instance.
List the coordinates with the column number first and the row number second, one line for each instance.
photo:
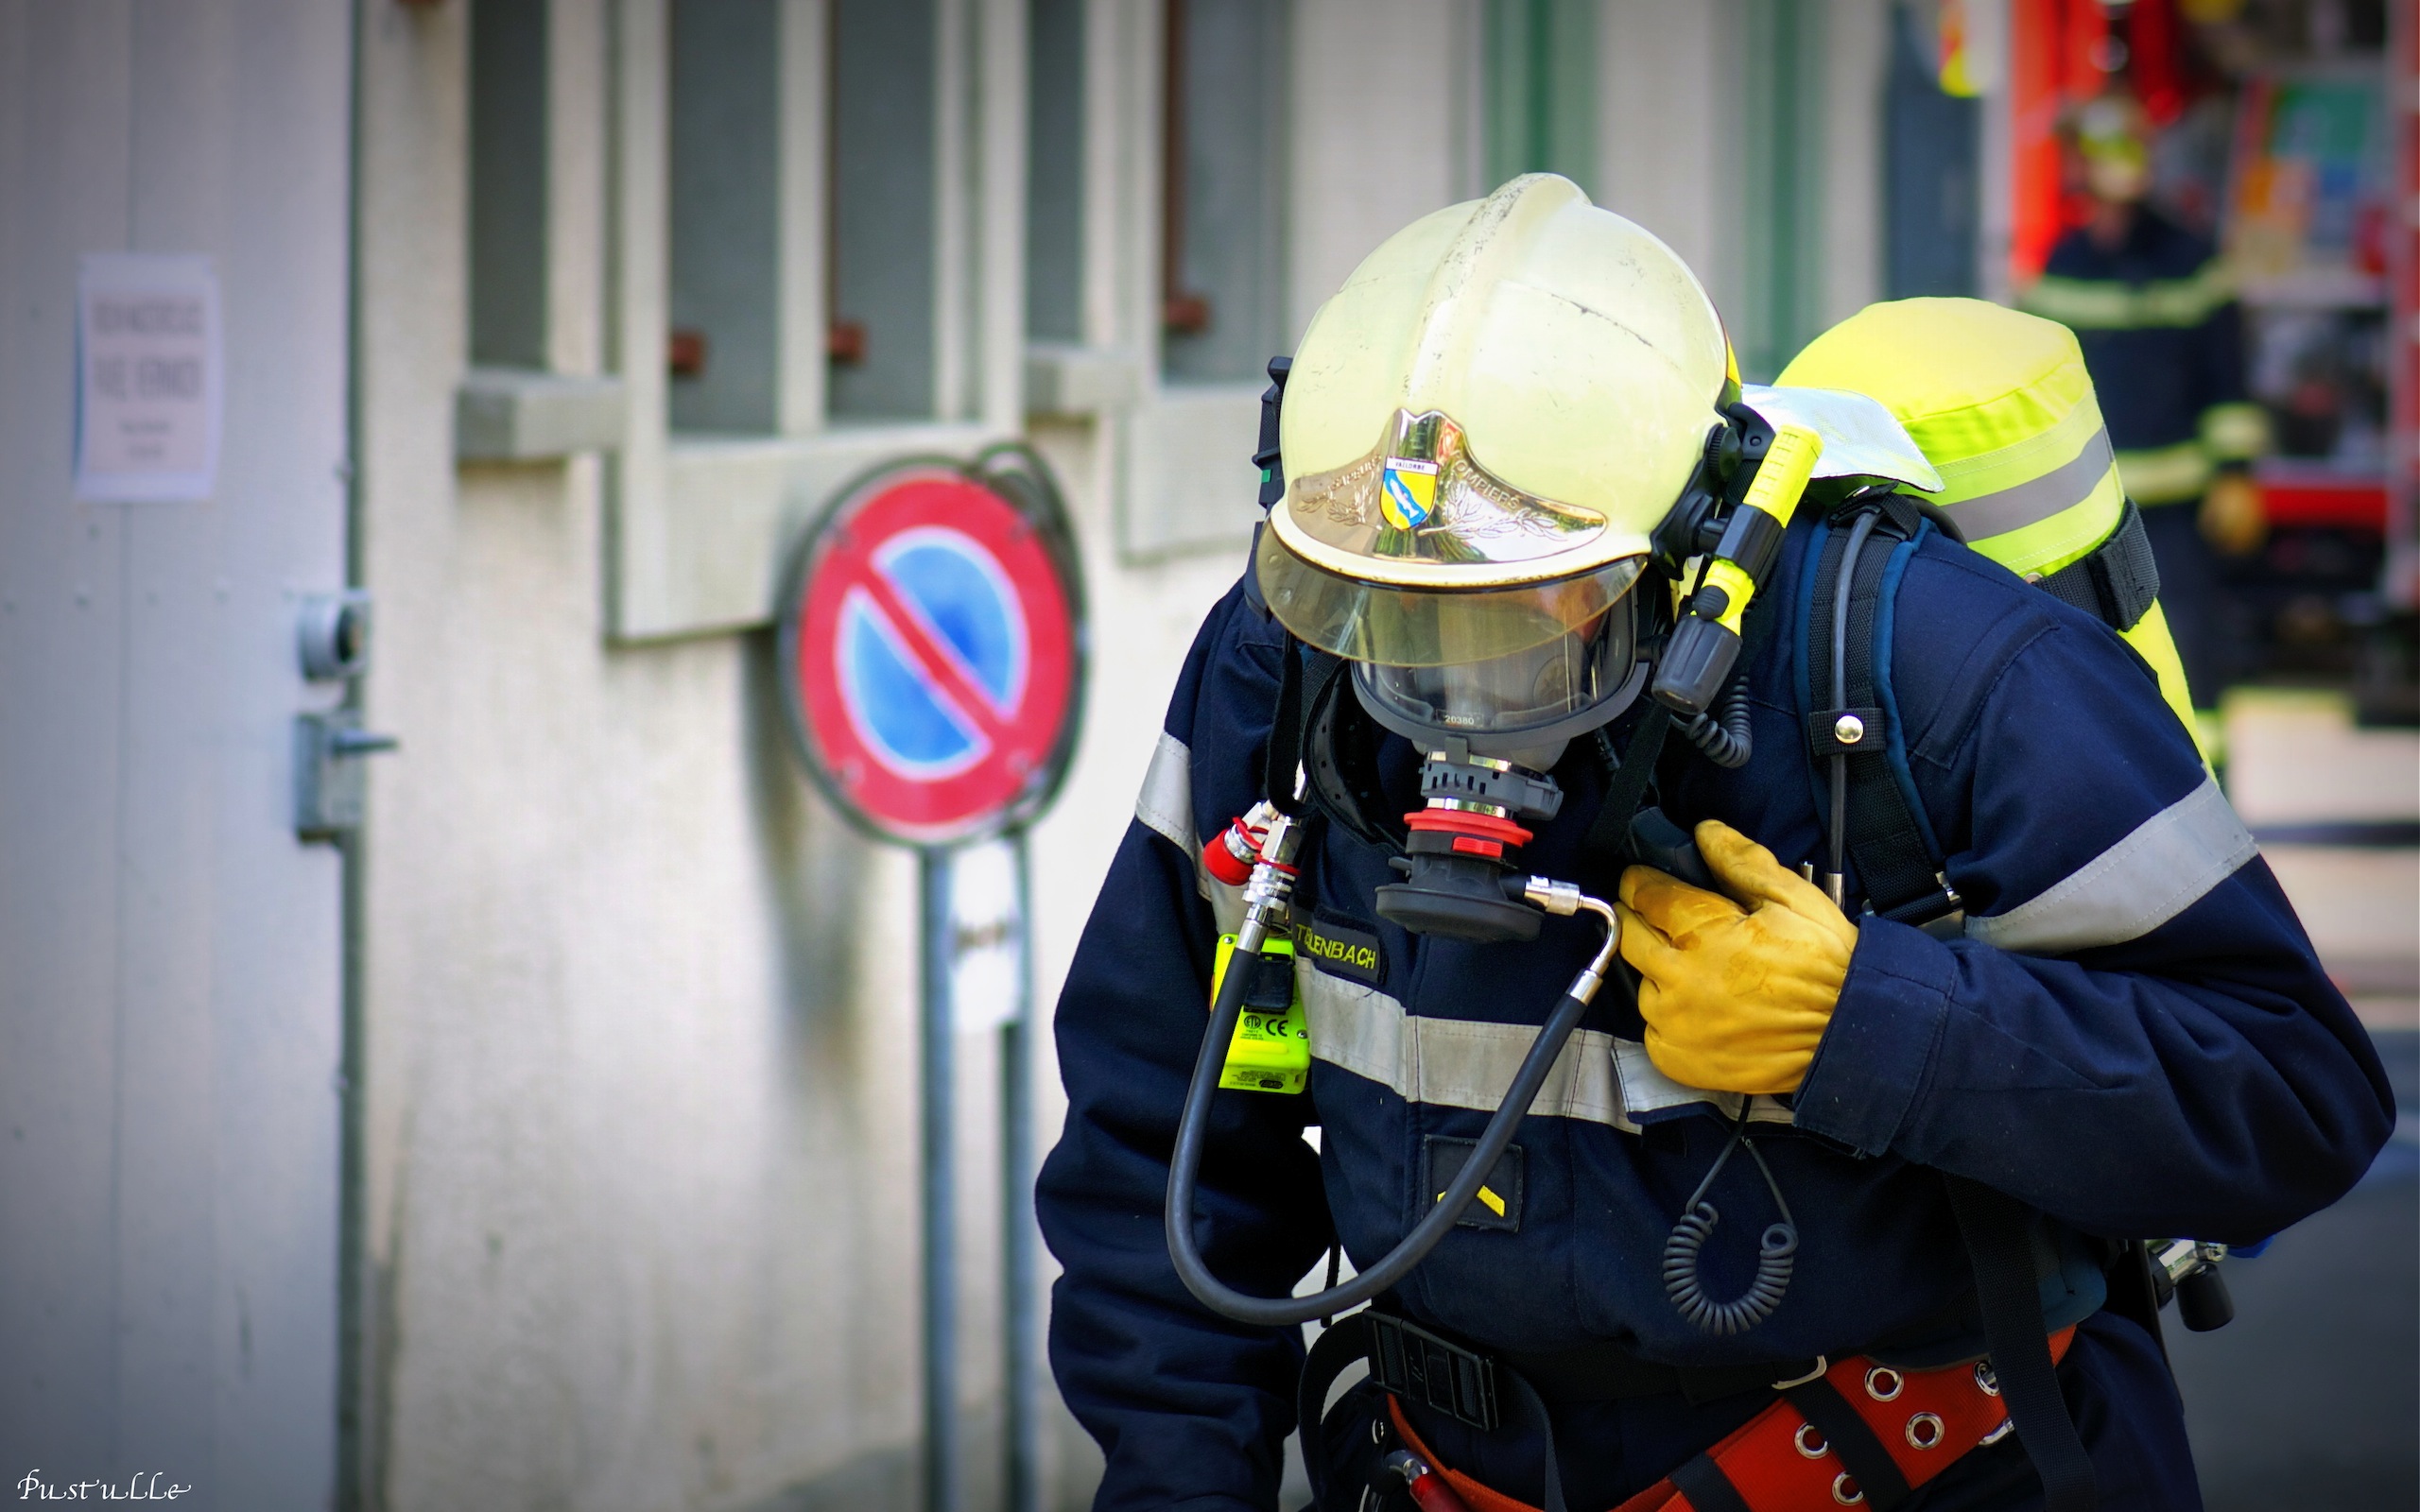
column 2030, row 433
column 2104, row 304
column 2166, row 474
column 1965, row 377
column 2235, row 433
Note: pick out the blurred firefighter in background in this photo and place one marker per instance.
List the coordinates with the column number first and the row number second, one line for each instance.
column 2154, row 309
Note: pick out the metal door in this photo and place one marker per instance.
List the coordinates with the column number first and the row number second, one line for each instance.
column 170, row 954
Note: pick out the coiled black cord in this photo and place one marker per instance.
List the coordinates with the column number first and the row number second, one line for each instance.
column 1722, row 732
column 1777, row 1253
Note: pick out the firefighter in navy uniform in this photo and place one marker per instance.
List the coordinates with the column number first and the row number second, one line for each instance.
column 2156, row 310
column 1800, row 1208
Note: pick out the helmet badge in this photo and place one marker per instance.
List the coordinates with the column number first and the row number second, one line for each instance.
column 1408, row 492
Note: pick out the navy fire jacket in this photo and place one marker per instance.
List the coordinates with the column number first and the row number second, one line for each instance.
column 2134, row 1037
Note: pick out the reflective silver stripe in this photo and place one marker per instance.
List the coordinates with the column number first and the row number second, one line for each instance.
column 1449, row 1062
column 1986, row 515
column 2169, row 862
column 1165, row 803
column 1460, row 1063
column 1226, row 902
column 1645, row 1089
column 1166, row 808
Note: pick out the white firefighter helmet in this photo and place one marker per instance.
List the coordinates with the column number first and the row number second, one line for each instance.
column 1482, row 431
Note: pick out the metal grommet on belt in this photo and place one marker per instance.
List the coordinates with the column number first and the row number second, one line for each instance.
column 1985, row 1381
column 1883, row 1383
column 1997, row 1434
column 1844, row 1491
column 1924, row 1430
column 1815, row 1451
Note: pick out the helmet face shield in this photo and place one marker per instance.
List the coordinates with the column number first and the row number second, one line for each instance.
column 1547, row 690
column 1400, row 627
column 1549, row 658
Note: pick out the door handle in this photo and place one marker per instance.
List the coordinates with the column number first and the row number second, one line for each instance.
column 329, row 783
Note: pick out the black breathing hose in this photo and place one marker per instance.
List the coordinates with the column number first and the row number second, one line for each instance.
column 1193, row 1133
column 1722, row 733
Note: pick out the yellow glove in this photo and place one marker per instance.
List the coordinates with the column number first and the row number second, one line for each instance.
column 1736, row 994
column 2233, row 518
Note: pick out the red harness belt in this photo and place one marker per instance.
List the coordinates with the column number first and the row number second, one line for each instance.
column 1784, row 1460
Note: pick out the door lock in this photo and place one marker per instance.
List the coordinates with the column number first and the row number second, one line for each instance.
column 332, row 636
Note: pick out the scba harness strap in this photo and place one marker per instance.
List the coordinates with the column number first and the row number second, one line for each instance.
column 1877, row 814
column 1848, row 1433
column 1858, row 1435
column 1852, row 721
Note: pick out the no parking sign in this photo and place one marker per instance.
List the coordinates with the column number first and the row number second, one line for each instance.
column 932, row 647
column 932, row 666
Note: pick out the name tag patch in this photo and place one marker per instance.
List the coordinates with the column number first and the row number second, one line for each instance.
column 1341, row 948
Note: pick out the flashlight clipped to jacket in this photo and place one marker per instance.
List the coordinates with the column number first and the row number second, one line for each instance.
column 1705, row 642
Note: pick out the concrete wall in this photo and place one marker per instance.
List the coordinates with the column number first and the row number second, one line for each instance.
column 641, row 1175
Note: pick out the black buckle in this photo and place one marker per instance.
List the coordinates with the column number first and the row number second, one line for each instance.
column 1410, row 1362
column 1941, row 913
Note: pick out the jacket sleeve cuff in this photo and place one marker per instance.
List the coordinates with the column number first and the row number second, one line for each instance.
column 1878, row 1052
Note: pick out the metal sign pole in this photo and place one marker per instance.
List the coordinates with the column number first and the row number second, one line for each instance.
column 1021, row 1349
column 936, row 1032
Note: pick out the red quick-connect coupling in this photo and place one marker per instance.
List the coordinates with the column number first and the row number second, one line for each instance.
column 1231, row 854
column 1466, row 833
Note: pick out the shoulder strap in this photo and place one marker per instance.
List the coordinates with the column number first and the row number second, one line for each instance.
column 1608, row 841
column 1300, row 674
column 1848, row 730
column 1340, row 754
column 2118, row 581
column 1999, row 1246
column 1336, row 1351
column 1609, row 832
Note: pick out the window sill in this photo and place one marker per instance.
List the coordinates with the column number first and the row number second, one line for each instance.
column 705, row 552
column 1190, row 485
column 519, row 415
column 1073, row 381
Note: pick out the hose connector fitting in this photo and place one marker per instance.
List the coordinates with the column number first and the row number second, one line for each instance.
column 1268, row 895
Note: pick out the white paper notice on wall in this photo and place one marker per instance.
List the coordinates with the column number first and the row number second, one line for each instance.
column 151, row 378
